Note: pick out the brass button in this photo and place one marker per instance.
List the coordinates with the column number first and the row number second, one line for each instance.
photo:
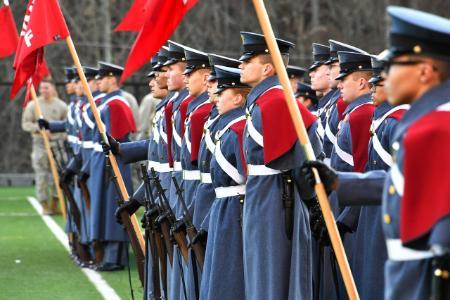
column 396, row 146
column 387, row 219
column 391, row 190
column 374, row 162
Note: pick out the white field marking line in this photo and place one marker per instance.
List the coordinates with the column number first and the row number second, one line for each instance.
column 100, row 284
column 18, row 214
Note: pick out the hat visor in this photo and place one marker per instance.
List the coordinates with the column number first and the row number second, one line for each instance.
column 330, row 61
column 386, row 55
column 375, row 79
column 151, row 74
column 315, row 65
column 246, row 56
column 189, row 71
column 220, row 90
column 170, row 62
column 212, row 78
column 341, row 76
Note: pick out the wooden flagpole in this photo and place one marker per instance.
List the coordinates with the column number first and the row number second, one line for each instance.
column 300, row 129
column 102, row 131
column 51, row 159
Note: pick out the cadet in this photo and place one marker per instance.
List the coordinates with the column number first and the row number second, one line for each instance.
column 55, row 109
column 204, row 195
column 223, row 275
column 196, row 79
column 276, row 233
column 117, row 116
column 335, row 112
column 320, row 82
column 146, row 150
column 417, row 73
column 370, row 247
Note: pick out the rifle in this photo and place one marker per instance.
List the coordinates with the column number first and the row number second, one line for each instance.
column 169, row 216
column 74, row 212
column 197, row 246
column 85, row 193
column 126, row 221
column 152, row 233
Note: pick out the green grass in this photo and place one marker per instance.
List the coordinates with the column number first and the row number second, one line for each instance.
column 33, row 263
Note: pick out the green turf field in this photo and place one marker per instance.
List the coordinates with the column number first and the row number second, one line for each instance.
column 34, row 264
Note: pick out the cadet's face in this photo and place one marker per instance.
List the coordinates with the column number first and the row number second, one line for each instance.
column 227, row 100
column 79, row 88
column 403, row 82
column 212, row 87
column 293, row 82
column 104, row 84
column 175, row 77
column 70, row 88
column 93, row 86
column 306, row 102
column 196, row 82
column 348, row 87
column 320, row 78
column 333, row 71
column 155, row 90
column 251, row 71
column 378, row 93
column 161, row 77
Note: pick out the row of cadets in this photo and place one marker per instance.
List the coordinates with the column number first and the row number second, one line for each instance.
column 370, row 248
column 224, row 267
column 117, row 117
column 415, row 227
column 176, row 65
column 146, row 150
column 334, row 113
column 196, row 79
column 276, row 232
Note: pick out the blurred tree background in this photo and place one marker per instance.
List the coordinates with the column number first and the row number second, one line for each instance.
column 211, row 26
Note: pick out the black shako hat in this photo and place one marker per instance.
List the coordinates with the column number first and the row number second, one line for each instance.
column 195, row 60
column 350, row 62
column 108, row 69
column 228, row 78
column 163, row 56
column 321, row 54
column 416, row 32
column 176, row 53
column 255, row 44
column 377, row 68
column 90, row 72
column 70, row 73
column 306, row 91
column 336, row 46
column 153, row 63
column 215, row 60
column 295, row 72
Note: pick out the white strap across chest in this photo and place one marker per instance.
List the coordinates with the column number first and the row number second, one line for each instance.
column 397, row 179
column 347, row 157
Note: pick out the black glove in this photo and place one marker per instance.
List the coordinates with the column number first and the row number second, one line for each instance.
column 201, row 237
column 83, row 176
column 114, row 146
column 67, row 176
column 43, row 124
column 130, row 207
column 327, row 174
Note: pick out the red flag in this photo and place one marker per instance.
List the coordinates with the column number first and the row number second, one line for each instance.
column 135, row 17
column 8, row 32
column 162, row 18
column 43, row 24
column 41, row 72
